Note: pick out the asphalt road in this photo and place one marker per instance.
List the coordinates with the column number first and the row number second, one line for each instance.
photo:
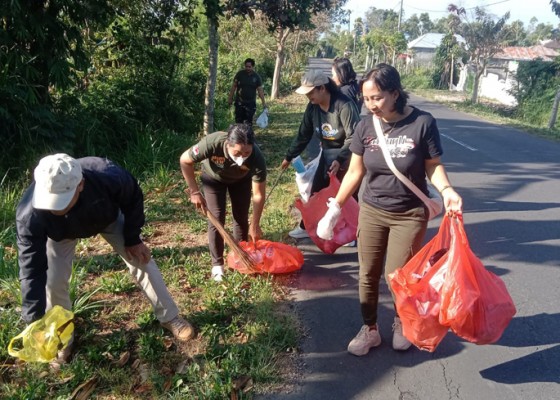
column 510, row 183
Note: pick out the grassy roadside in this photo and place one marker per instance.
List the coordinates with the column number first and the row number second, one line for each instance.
column 246, row 329
column 487, row 109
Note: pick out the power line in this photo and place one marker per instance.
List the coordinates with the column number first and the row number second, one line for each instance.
column 469, row 8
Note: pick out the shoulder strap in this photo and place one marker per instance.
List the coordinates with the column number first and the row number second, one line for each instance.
column 391, row 165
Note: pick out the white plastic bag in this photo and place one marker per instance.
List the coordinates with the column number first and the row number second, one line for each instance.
column 262, row 120
column 304, row 180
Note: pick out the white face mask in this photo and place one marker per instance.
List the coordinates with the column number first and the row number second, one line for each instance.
column 238, row 160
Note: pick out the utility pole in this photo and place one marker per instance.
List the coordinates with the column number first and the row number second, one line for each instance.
column 400, row 18
column 349, row 19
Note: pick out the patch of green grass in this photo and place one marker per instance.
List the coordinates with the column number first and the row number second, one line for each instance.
column 117, row 282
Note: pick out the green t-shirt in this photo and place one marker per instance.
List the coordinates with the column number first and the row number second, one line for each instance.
column 216, row 162
column 247, row 86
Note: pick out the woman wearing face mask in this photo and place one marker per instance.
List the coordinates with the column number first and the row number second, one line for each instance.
column 331, row 117
column 231, row 162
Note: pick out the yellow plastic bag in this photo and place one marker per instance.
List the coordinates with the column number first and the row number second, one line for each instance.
column 41, row 340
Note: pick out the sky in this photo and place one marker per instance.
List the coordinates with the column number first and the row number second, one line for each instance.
column 522, row 10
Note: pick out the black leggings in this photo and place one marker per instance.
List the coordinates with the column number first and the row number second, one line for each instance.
column 215, row 194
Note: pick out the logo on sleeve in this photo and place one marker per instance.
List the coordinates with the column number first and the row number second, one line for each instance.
column 195, row 150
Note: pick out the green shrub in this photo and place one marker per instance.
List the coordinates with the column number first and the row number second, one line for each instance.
column 420, row 78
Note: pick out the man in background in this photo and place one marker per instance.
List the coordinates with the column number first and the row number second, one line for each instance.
column 246, row 84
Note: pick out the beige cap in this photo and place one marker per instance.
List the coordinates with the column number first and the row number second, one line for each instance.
column 56, row 178
column 311, row 79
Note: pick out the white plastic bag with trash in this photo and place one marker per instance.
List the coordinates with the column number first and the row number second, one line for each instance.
column 262, row 120
column 304, row 178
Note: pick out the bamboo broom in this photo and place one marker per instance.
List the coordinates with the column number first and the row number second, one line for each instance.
column 241, row 254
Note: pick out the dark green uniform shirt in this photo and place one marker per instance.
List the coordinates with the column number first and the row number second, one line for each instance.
column 217, row 163
column 247, row 85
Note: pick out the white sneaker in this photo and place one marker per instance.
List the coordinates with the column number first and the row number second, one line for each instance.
column 218, row 273
column 364, row 340
column 298, row 233
column 399, row 341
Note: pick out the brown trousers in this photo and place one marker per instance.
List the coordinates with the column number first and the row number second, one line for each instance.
column 385, row 236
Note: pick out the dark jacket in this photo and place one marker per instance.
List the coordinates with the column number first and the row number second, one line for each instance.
column 107, row 190
column 334, row 128
column 352, row 91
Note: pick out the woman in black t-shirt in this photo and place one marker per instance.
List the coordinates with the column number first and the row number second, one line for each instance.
column 392, row 220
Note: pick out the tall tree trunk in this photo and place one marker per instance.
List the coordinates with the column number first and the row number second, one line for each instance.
column 554, row 113
column 477, row 75
column 281, row 36
column 213, row 72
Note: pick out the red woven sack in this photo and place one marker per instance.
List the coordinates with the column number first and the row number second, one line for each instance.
column 475, row 303
column 416, row 288
column 312, row 212
column 270, row 257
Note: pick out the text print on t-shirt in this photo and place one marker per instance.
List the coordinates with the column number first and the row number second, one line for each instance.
column 398, row 147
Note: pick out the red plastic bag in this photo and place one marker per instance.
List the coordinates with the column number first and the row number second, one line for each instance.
column 270, row 257
column 475, row 303
column 417, row 287
column 312, row 212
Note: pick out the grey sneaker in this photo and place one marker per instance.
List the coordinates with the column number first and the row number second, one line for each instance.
column 180, row 328
column 399, row 341
column 298, row 233
column 364, row 340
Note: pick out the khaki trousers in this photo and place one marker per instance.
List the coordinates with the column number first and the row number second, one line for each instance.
column 61, row 254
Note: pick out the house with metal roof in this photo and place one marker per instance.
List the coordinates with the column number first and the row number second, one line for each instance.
column 422, row 50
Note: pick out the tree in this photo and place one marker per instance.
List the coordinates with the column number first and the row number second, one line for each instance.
column 427, row 24
column 381, row 19
column 540, row 32
column 484, row 38
column 517, row 34
column 411, row 27
column 555, row 7
column 213, row 11
column 447, row 53
column 386, row 42
column 283, row 18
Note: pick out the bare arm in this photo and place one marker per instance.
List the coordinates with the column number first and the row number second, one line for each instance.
column 438, row 176
column 259, row 196
column 187, row 168
column 232, row 92
column 260, row 91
